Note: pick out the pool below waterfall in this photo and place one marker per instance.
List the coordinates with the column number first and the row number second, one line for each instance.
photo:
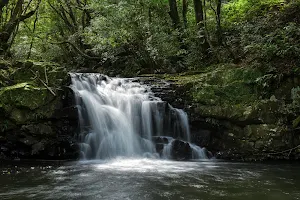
column 155, row 179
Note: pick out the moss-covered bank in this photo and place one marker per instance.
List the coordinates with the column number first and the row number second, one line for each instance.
column 241, row 112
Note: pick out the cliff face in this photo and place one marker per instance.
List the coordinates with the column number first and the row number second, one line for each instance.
column 240, row 113
column 36, row 120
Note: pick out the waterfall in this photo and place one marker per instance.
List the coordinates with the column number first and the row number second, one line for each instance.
column 121, row 117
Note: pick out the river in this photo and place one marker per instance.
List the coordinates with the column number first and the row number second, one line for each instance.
column 134, row 179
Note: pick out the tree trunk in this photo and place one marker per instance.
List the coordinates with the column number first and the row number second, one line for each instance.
column 174, row 13
column 218, row 17
column 184, row 12
column 33, row 32
column 201, row 23
column 199, row 12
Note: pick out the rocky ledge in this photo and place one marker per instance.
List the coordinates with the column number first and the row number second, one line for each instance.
column 37, row 120
column 238, row 113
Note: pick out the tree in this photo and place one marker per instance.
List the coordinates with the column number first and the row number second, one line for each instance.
column 184, row 12
column 199, row 12
column 74, row 17
column 174, row 13
column 12, row 13
column 217, row 11
column 201, row 23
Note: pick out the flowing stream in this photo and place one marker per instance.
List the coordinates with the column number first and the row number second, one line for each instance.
column 150, row 179
column 121, row 117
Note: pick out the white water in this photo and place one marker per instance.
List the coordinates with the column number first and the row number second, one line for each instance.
column 119, row 117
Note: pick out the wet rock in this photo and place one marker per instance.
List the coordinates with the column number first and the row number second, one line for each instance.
column 160, row 139
column 159, row 148
column 181, row 150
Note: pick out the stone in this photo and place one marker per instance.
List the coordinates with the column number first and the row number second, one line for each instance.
column 38, row 129
column 159, row 139
column 181, row 150
column 18, row 116
column 36, row 148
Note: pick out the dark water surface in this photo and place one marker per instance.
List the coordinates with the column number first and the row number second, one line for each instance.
column 150, row 179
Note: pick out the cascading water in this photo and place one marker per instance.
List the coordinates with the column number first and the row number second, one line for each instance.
column 120, row 117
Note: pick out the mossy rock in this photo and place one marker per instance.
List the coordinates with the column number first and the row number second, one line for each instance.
column 37, row 72
column 23, row 115
column 262, row 131
column 267, row 137
column 234, row 93
column 264, row 111
column 267, row 111
column 24, row 95
column 221, row 84
column 34, row 94
column 229, row 112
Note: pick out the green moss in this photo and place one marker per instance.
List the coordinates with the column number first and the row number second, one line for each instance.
column 36, row 71
column 24, row 95
column 25, row 98
column 239, row 10
column 221, row 84
column 17, row 86
column 18, row 116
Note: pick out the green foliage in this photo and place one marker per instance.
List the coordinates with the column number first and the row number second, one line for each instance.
column 222, row 85
column 240, row 10
column 268, row 39
column 227, row 85
column 265, row 46
column 40, row 35
column 131, row 37
column 137, row 31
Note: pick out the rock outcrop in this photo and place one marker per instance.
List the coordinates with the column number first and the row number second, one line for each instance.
column 37, row 120
column 240, row 113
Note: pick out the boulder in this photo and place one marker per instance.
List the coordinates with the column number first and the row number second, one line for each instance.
column 181, row 150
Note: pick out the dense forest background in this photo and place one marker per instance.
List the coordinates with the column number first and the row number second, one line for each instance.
column 132, row 37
